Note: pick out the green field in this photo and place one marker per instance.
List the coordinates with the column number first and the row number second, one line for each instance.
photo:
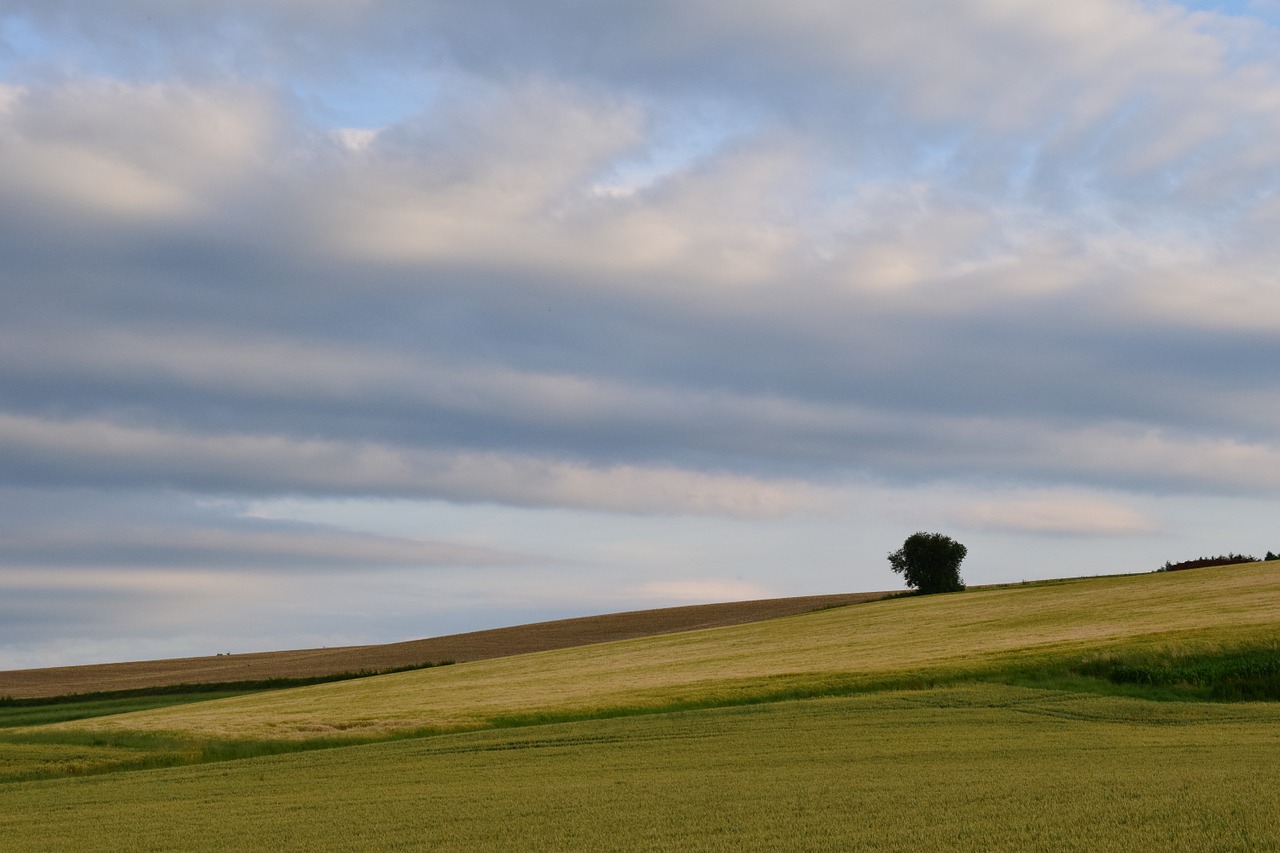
column 978, row 768
column 991, row 719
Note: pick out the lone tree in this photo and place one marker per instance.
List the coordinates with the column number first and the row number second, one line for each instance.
column 930, row 562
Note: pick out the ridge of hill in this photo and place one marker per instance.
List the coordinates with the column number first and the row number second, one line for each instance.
column 471, row 646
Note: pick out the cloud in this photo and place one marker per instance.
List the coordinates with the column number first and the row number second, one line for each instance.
column 109, row 149
column 697, row 263
column 216, row 548
column 1056, row 514
column 700, row 590
column 44, row 610
column 476, row 175
column 104, row 453
column 1156, row 455
column 1006, row 67
column 134, row 582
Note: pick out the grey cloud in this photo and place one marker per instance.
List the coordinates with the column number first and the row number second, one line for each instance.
column 34, row 614
column 1076, row 70
column 695, row 259
column 107, row 454
column 778, row 382
column 913, row 262
column 242, row 547
column 49, row 529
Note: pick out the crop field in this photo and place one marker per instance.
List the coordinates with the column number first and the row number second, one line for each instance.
column 971, row 768
column 1027, row 717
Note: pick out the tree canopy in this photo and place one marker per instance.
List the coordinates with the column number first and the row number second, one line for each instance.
column 930, row 562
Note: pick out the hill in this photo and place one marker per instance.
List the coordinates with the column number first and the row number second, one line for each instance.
column 988, row 634
column 472, row 646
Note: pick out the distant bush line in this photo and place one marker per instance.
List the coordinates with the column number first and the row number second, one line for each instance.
column 212, row 686
column 1221, row 560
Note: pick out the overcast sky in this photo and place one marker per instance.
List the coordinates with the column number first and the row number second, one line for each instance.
column 345, row 321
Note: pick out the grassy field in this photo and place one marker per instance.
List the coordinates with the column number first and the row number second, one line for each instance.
column 968, row 768
column 994, row 719
column 995, row 633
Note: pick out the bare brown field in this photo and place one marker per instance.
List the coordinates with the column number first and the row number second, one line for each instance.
column 473, row 646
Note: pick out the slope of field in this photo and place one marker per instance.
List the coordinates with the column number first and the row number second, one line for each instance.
column 900, row 641
column 476, row 645
column 971, row 768
column 970, row 764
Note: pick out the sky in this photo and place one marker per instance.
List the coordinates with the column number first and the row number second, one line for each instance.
column 332, row 322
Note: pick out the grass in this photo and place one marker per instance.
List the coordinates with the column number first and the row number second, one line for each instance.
column 983, row 767
column 1244, row 674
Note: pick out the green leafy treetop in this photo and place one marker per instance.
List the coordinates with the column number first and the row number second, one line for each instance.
column 930, row 562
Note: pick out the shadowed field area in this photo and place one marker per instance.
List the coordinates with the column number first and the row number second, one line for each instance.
column 477, row 645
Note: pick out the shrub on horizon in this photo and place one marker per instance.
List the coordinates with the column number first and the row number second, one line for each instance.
column 1221, row 560
column 930, row 562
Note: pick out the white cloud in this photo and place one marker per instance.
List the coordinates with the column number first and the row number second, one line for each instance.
column 476, row 177
column 1225, row 295
column 356, row 138
column 1066, row 514
column 114, row 149
column 1138, row 456
column 706, row 590
column 177, row 581
column 9, row 96
column 1225, row 462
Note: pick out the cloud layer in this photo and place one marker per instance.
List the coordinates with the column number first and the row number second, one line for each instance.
column 751, row 263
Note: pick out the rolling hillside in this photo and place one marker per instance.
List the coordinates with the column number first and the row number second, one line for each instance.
column 934, row 639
